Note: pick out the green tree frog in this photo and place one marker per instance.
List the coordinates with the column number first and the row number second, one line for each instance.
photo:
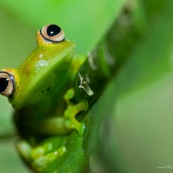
column 52, row 89
column 40, row 90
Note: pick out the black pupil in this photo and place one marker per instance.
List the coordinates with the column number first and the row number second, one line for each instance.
column 53, row 30
column 3, row 84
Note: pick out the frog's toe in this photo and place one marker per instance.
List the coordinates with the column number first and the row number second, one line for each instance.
column 24, row 149
column 41, row 163
column 41, row 150
column 81, row 129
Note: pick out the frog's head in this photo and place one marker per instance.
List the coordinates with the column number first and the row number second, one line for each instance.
column 39, row 71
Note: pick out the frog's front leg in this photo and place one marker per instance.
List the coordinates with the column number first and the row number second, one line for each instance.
column 67, row 122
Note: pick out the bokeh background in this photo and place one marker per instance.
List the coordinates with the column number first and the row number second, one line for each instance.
column 138, row 101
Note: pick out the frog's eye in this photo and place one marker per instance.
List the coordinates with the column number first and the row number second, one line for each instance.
column 6, row 84
column 52, row 33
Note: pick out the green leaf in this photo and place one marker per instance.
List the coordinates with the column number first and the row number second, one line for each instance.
column 133, row 119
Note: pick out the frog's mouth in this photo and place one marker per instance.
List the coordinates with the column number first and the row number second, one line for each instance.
column 45, row 67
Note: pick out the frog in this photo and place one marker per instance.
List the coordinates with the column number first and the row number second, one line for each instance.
column 41, row 92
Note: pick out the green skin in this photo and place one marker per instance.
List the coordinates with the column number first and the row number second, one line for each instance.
column 43, row 89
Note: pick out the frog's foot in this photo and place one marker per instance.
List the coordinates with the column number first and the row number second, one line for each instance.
column 72, row 110
column 41, row 163
column 39, row 158
column 70, row 116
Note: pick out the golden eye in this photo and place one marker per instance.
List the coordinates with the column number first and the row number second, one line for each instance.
column 6, row 83
column 52, row 33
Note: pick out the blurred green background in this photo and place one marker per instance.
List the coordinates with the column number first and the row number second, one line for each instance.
column 136, row 133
